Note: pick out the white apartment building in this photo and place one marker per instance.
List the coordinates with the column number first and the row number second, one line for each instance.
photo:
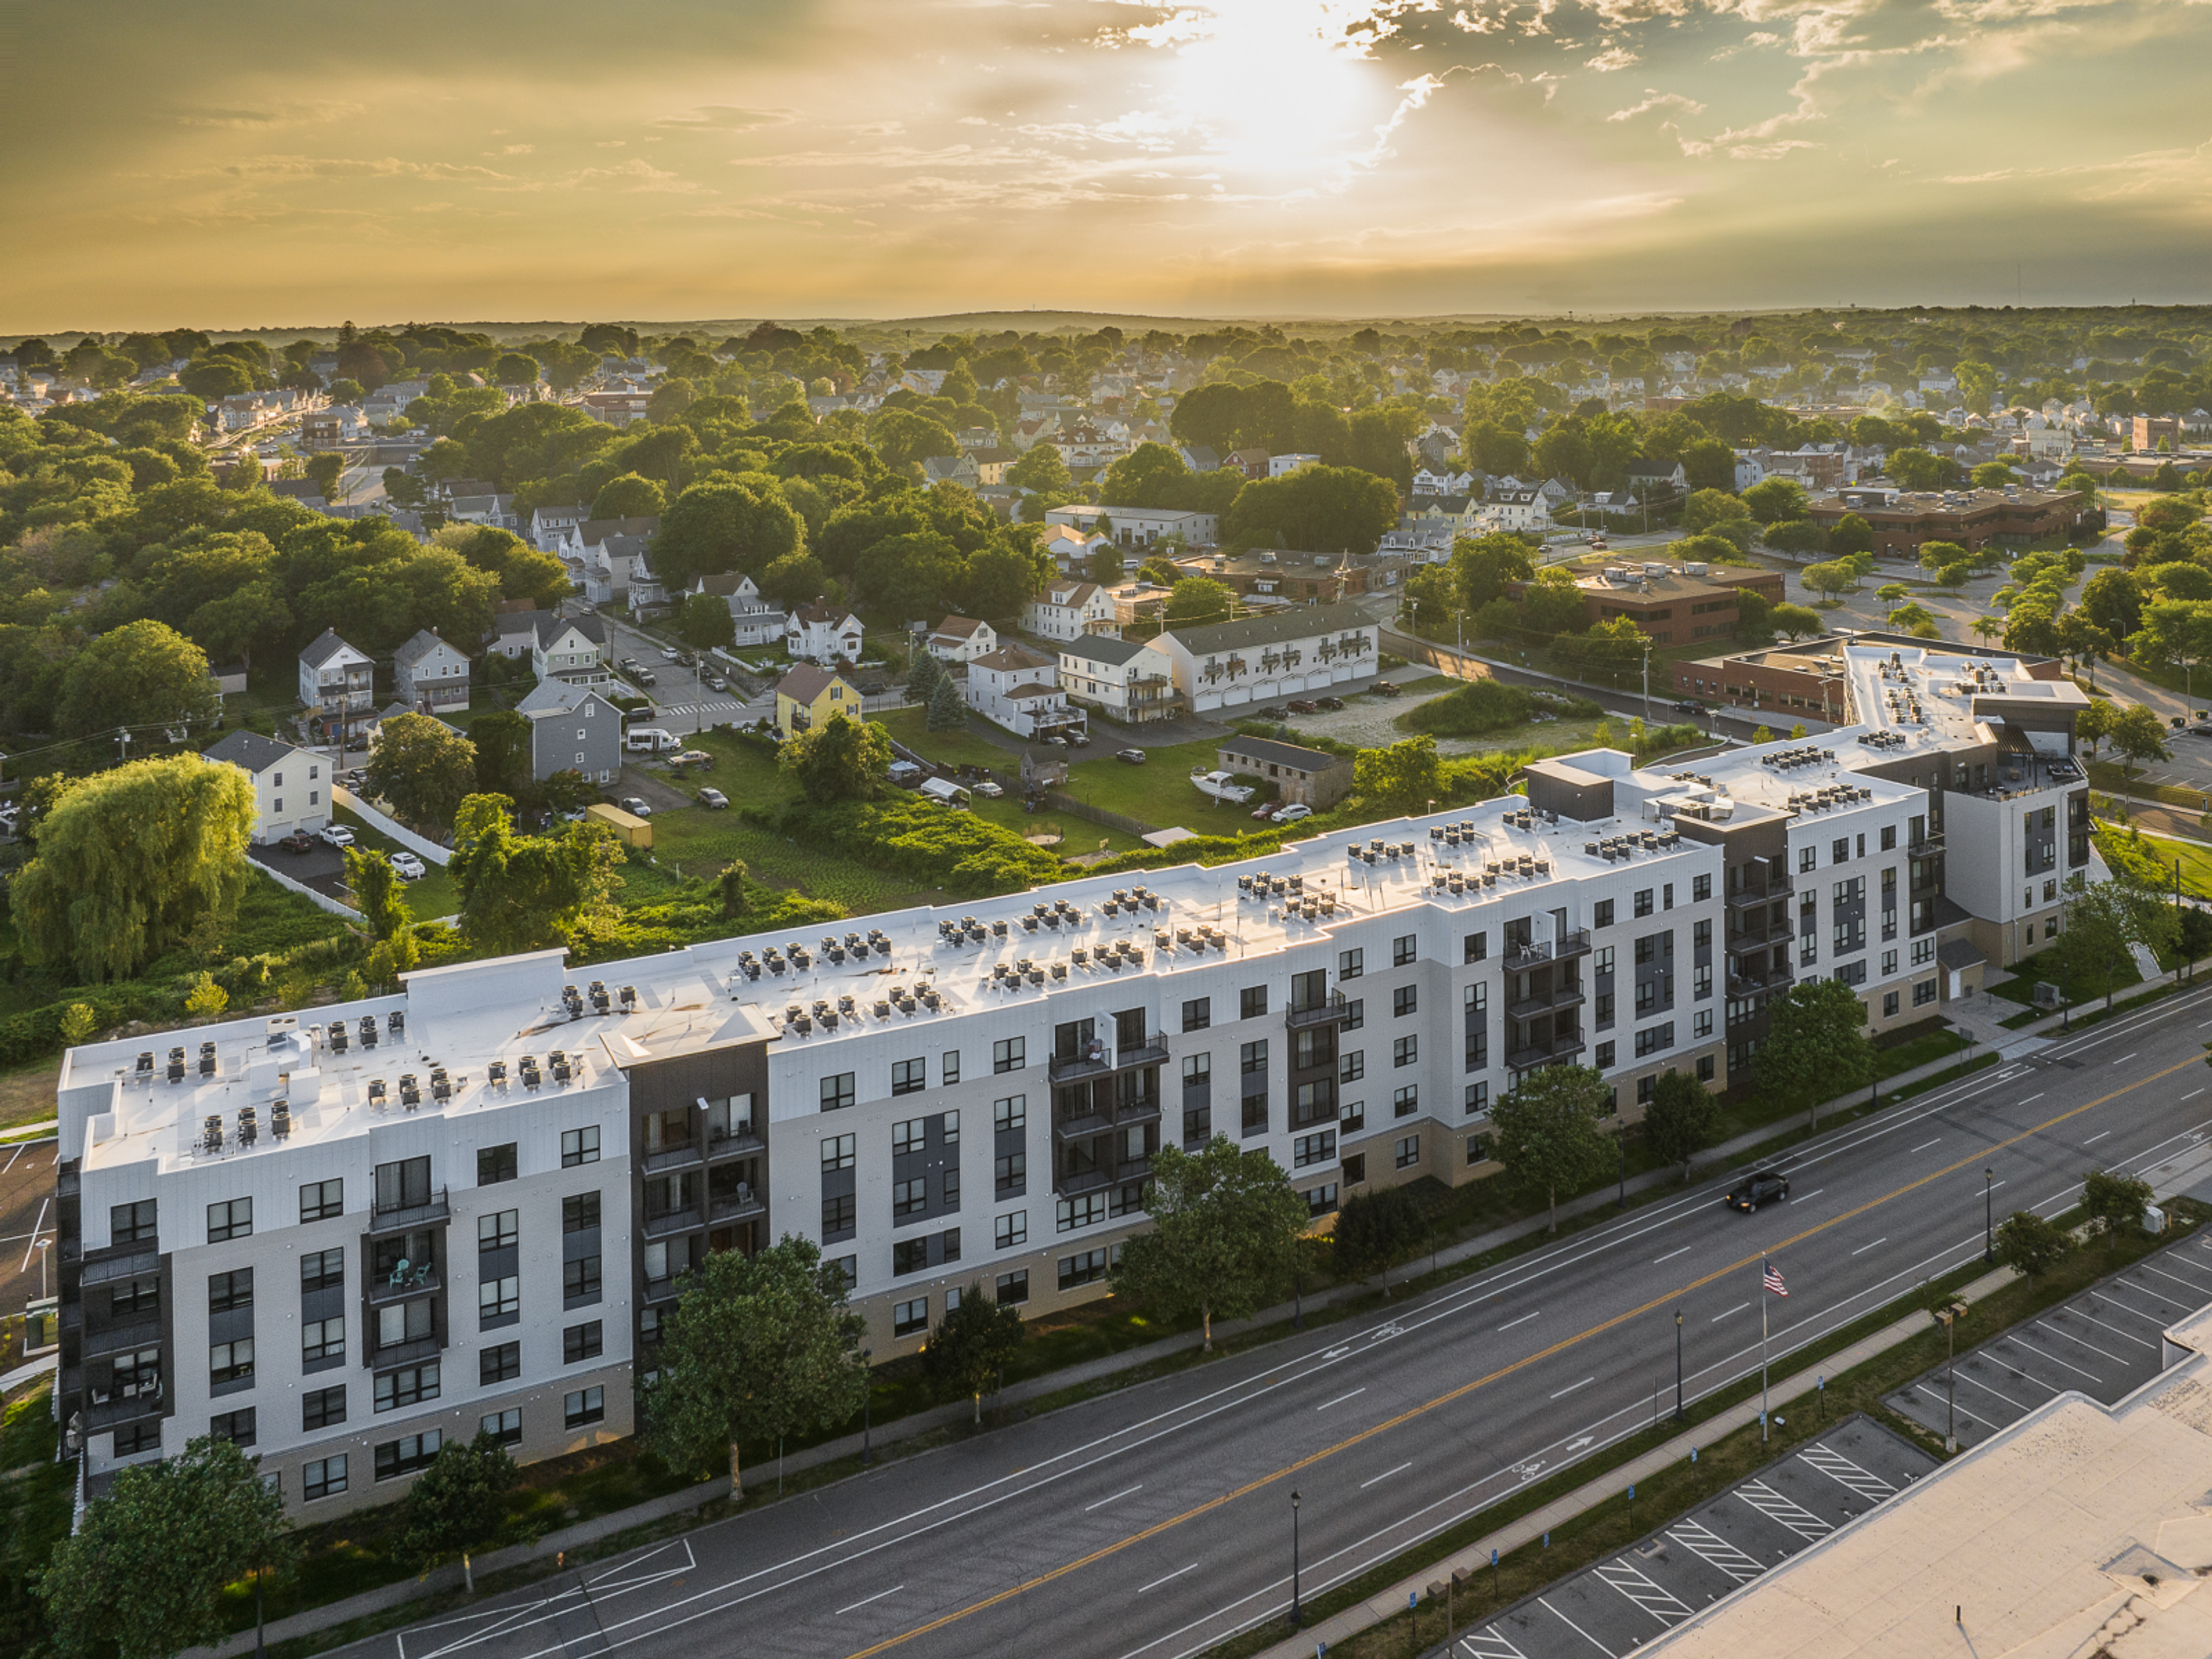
column 1068, row 610
column 1256, row 660
column 265, row 1224
column 1019, row 689
column 291, row 787
column 1126, row 680
column 1138, row 526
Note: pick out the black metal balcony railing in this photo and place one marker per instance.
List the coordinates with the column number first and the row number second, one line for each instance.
column 122, row 1409
column 1329, row 1010
column 1772, row 979
column 1924, row 845
column 400, row 1217
column 401, row 1353
column 1558, row 1046
column 1144, row 1109
column 675, row 1157
column 1542, row 1002
column 1081, row 1126
column 1080, row 1180
column 670, row 1221
column 736, row 1141
column 1763, row 931
column 1778, row 886
column 136, row 1261
column 737, row 1207
column 1153, row 1052
column 120, row 1339
column 1566, row 945
column 662, row 1290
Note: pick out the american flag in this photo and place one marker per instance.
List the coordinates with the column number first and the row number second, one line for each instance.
column 1773, row 1281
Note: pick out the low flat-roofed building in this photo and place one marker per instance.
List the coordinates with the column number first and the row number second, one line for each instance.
column 1310, row 777
column 1676, row 605
column 1902, row 519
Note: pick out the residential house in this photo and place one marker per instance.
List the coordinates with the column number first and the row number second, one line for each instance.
column 1277, row 576
column 337, row 683
column 1252, row 463
column 810, row 695
column 1141, row 600
column 616, row 408
column 1085, row 448
column 570, row 648
column 328, row 429
column 1066, row 610
column 514, row 633
column 430, row 674
column 1019, row 690
column 550, row 526
column 950, row 469
column 494, row 509
column 961, row 639
column 820, row 633
column 1126, row 680
column 1513, row 509
column 991, row 464
column 1070, row 549
column 1656, row 482
column 1282, row 465
column 574, row 727
column 1309, row 777
column 1257, row 659
column 1199, row 457
column 754, row 622
column 1426, row 482
column 290, row 790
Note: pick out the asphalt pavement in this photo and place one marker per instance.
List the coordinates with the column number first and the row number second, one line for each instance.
column 1157, row 1520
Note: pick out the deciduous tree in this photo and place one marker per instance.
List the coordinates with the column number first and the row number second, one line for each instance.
column 1816, row 1044
column 707, row 622
column 456, row 1505
column 2029, row 1245
column 1405, row 774
column 973, row 1343
column 1223, row 1222
column 1547, row 1133
column 376, row 891
column 423, row 768
column 1681, row 1120
column 143, row 673
column 526, row 892
column 841, row 759
column 2114, row 1204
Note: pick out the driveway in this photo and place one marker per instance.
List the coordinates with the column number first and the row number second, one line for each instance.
column 323, row 868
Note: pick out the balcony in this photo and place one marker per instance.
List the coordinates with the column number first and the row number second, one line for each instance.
column 1765, row 931
column 1925, row 846
column 1770, row 979
column 128, row 1264
column 674, row 1157
column 1144, row 1110
column 1064, row 1129
column 740, row 1205
column 1560, row 1046
column 404, row 1354
column 1562, row 948
column 670, row 1221
column 400, row 1218
column 1326, row 1012
column 1082, row 1181
column 1778, row 886
column 736, row 1143
column 121, row 1339
column 1154, row 1051
column 662, row 1290
column 417, row 1281
column 1543, row 1002
column 123, row 1408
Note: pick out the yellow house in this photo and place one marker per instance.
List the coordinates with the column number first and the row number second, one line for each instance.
column 808, row 696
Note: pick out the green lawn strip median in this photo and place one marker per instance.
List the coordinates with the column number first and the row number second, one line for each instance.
column 1605, row 1527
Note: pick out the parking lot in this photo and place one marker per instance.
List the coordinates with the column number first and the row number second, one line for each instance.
column 27, row 1218
column 2105, row 1343
column 322, row 866
column 1686, row 1564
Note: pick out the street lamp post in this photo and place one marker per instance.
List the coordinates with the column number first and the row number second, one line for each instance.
column 1620, row 1145
column 1678, row 1365
column 867, row 1412
column 1297, row 1607
column 1988, row 1218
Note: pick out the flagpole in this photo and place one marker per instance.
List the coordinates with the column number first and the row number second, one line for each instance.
column 1762, row 1350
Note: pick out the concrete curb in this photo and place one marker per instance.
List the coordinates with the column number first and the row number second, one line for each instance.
column 1537, row 1523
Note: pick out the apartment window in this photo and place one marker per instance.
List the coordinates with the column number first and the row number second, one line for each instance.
column 1605, row 1056
column 1010, row 1173
column 1702, row 1026
column 1405, row 1051
column 909, row 1136
column 909, row 1076
column 1701, row 887
column 1351, row 965
column 1308, row 1150
column 1085, row 1210
column 1601, row 913
column 1198, row 1014
column 230, row 1362
column 579, row 1280
column 840, row 1217
column 505, row 1427
column 910, row 1255
column 499, row 1300
column 499, row 1231
column 584, row 1405
column 1355, row 1014
column 1406, row 1000
column 911, row 1318
column 1655, row 1039
column 1667, row 895
column 579, row 1212
column 1839, row 851
column 1923, row 952
column 837, row 1092
column 1254, row 1056
column 1354, row 1170
column 1009, row 1054
column 131, row 1224
column 1408, row 1152
column 135, row 1299
column 1403, row 949
column 1353, row 1066
column 1321, row 1199
column 496, row 1164
column 1009, row 1114
column 322, row 1339
column 237, row 1427
column 227, row 1292
column 322, row 1408
column 1889, row 838
column 948, row 1067
column 846, row 1268
column 322, row 1200
column 839, row 1152
column 1352, row 1118
column 231, row 1218
column 1475, row 947
column 323, row 1477
column 909, row 1198
column 1701, row 983
column 1924, row 993
column 1478, row 1099
column 1601, row 963
column 1809, row 860
column 1013, row 1288
column 1254, row 1114
column 1888, row 1004
column 1252, row 1002
column 501, row 1363
column 579, row 1147
column 411, row 1385
column 1644, row 901
column 1087, row 1268
column 1011, row 1230
column 1406, row 1100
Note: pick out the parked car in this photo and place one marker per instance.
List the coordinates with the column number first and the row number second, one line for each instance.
column 716, row 683
column 1057, row 742
column 1293, row 812
column 1265, row 809
column 1272, row 712
column 298, row 841
column 635, row 806
column 671, row 652
column 988, row 790
column 1330, row 703
column 336, row 835
column 1689, row 706
column 407, row 866
column 1134, row 756
column 1303, row 705
column 1759, row 1186
column 1385, row 689
column 1079, row 739
column 355, row 779
column 629, row 664
column 646, row 677
column 698, row 757
column 713, row 799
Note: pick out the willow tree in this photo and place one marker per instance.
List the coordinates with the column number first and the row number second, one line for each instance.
column 129, row 860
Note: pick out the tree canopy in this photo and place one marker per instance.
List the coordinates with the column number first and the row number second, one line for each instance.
column 1223, row 1222
column 526, row 892
column 423, row 768
column 1816, row 1044
column 1546, row 1132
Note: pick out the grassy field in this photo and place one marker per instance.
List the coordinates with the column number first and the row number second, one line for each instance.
column 429, row 898
column 26, row 1094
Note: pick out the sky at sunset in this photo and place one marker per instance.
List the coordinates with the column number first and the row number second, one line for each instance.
column 265, row 164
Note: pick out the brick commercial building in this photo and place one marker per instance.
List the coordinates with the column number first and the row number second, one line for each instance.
column 1902, row 519
column 1808, row 679
column 1676, row 605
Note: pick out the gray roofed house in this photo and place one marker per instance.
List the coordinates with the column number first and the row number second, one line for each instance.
column 336, row 682
column 430, row 674
column 1307, row 648
column 572, row 648
column 573, row 728
column 514, row 633
column 291, row 787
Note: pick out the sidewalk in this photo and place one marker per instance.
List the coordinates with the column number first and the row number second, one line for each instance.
column 1536, row 1524
column 387, row 1596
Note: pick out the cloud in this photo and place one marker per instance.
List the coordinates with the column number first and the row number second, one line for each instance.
column 728, row 118
column 1612, row 58
column 1654, row 98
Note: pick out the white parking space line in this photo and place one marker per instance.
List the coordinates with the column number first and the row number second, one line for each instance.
column 864, row 1601
column 1385, row 1475
column 2045, row 1324
column 2192, row 1094
column 1976, row 1383
column 2053, row 1359
column 1577, row 1629
column 1738, row 1309
column 2194, row 1290
column 2160, row 1319
column 38, row 1222
column 2101, row 1133
column 2125, row 1336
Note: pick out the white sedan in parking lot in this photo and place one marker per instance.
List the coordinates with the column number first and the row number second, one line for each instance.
column 338, row 835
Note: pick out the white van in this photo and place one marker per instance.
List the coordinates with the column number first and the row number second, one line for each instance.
column 650, row 740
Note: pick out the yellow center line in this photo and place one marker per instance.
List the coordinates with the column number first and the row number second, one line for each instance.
column 1503, row 1371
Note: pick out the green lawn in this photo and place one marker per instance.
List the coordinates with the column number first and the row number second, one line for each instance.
column 1159, row 792
column 691, row 840
column 433, row 896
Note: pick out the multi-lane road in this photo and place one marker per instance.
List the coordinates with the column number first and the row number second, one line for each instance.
column 1157, row 1520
